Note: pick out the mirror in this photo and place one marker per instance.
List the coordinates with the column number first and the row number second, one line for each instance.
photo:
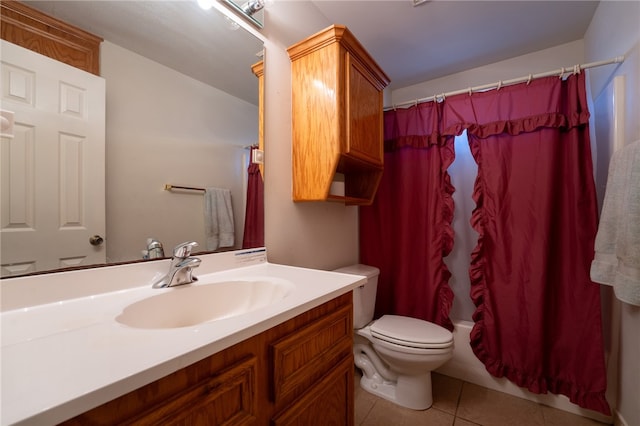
column 181, row 109
column 251, row 10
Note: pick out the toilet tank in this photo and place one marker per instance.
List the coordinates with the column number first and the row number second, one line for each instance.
column 364, row 297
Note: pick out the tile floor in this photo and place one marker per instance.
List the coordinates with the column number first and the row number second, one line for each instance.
column 458, row 403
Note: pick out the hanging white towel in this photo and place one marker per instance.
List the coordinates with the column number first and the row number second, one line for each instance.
column 218, row 218
column 617, row 246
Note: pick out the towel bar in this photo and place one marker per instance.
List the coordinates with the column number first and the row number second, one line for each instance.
column 169, row 187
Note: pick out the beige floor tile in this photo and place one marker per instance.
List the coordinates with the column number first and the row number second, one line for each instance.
column 363, row 402
column 491, row 408
column 555, row 417
column 385, row 413
column 459, row 403
column 446, row 392
column 463, row 422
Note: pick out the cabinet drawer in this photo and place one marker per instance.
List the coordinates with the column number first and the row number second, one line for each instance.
column 301, row 358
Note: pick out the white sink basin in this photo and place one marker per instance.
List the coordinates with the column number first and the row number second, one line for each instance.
column 189, row 305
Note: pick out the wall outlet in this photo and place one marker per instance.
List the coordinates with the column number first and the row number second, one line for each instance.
column 257, row 156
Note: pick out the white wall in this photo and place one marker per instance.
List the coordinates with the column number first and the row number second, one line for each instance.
column 553, row 58
column 615, row 30
column 319, row 234
column 165, row 127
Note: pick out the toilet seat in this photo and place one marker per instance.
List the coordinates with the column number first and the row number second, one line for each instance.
column 411, row 332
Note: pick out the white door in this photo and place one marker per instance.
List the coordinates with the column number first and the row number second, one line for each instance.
column 52, row 169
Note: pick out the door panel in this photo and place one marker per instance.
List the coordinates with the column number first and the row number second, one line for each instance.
column 53, row 193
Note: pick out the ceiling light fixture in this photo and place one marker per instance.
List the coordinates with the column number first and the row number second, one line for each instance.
column 252, row 6
column 419, row 2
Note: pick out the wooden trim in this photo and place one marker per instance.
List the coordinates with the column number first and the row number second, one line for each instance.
column 341, row 35
column 258, row 71
column 41, row 33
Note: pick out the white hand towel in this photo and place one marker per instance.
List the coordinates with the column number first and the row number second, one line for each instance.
column 218, row 218
column 617, row 246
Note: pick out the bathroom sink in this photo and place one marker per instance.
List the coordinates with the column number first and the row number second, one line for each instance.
column 189, row 305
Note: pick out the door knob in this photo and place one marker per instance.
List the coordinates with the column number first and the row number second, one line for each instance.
column 96, row 240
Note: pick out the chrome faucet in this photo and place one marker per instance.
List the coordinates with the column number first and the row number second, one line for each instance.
column 181, row 268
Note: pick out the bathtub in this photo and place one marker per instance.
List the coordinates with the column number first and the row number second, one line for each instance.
column 465, row 366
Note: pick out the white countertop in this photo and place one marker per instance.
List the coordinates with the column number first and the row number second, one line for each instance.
column 64, row 357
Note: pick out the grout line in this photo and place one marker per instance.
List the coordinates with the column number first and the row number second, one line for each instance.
column 369, row 412
column 459, row 399
column 458, row 406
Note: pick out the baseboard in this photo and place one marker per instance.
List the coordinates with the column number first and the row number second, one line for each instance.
column 465, row 366
column 619, row 420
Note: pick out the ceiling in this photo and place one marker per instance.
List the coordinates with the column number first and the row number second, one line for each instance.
column 412, row 44
column 442, row 37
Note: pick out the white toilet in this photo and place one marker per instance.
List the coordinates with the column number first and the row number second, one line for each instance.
column 396, row 354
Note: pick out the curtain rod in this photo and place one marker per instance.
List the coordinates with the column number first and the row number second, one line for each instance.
column 559, row 72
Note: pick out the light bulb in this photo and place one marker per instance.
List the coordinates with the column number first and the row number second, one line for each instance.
column 205, row 4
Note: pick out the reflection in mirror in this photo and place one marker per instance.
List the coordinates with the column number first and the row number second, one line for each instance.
column 181, row 109
column 251, row 10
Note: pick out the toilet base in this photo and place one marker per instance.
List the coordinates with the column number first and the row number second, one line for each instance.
column 412, row 392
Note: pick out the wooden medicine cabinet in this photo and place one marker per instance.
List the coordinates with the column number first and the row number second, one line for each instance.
column 337, row 119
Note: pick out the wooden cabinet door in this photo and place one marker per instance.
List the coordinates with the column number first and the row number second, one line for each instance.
column 301, row 358
column 328, row 402
column 226, row 397
column 364, row 114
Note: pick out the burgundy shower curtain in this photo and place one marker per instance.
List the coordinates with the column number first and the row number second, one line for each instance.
column 407, row 231
column 537, row 320
column 254, row 216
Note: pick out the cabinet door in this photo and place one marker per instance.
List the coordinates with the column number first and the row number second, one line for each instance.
column 227, row 398
column 364, row 137
column 301, row 358
column 328, row 402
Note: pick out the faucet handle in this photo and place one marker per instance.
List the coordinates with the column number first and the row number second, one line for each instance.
column 182, row 251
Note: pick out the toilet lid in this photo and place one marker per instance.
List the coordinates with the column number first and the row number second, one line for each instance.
column 411, row 332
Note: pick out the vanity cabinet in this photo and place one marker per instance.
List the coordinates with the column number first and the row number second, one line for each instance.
column 299, row 372
column 337, row 118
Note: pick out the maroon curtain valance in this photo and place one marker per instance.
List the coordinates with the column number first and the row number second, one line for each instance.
column 416, row 127
column 518, row 109
column 510, row 110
